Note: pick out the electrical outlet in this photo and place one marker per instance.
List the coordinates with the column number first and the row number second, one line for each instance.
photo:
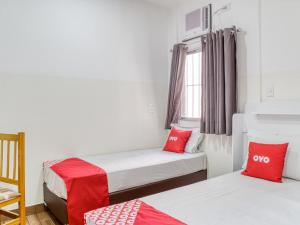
column 151, row 108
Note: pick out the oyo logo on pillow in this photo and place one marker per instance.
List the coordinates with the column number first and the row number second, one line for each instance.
column 261, row 159
column 173, row 138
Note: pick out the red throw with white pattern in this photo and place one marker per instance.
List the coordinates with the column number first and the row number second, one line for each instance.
column 134, row 212
column 87, row 187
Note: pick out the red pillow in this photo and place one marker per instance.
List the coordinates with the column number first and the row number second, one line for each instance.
column 266, row 161
column 177, row 140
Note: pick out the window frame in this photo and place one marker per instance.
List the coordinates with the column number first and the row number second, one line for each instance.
column 192, row 49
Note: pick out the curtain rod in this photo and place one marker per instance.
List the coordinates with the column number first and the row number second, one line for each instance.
column 193, row 38
column 196, row 37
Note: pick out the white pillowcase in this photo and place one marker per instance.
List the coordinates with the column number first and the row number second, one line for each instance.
column 292, row 159
column 193, row 144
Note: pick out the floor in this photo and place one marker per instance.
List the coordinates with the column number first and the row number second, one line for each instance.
column 42, row 218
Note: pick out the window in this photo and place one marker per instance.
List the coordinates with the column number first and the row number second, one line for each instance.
column 191, row 107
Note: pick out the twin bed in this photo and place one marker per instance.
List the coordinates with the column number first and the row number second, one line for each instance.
column 132, row 174
column 231, row 199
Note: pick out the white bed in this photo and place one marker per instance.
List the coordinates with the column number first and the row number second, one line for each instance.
column 134, row 168
column 232, row 199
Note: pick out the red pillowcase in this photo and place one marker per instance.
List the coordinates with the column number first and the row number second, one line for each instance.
column 177, row 140
column 266, row 161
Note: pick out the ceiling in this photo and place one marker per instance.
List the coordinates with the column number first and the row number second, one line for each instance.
column 165, row 3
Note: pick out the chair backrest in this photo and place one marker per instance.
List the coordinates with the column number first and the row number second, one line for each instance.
column 12, row 159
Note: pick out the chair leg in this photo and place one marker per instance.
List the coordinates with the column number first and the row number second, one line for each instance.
column 22, row 212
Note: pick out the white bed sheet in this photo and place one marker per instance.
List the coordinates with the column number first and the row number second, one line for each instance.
column 134, row 168
column 232, row 199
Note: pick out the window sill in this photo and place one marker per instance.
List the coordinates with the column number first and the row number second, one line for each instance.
column 190, row 122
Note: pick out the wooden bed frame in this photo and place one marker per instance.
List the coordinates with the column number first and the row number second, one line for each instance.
column 58, row 206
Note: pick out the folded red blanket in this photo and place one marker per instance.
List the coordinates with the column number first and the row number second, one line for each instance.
column 87, row 187
column 134, row 212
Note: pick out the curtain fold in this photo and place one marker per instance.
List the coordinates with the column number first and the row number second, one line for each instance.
column 230, row 77
column 176, row 84
column 218, row 99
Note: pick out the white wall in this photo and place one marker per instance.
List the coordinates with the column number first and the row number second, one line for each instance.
column 268, row 49
column 82, row 77
column 280, row 50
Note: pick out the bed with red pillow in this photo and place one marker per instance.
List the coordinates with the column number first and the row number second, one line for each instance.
column 122, row 176
column 118, row 177
column 129, row 174
column 231, row 199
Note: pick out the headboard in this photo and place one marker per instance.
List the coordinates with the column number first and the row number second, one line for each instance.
column 268, row 119
column 238, row 141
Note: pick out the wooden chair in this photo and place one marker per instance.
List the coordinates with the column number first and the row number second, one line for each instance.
column 12, row 172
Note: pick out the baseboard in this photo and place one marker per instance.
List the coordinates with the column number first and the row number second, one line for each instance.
column 34, row 209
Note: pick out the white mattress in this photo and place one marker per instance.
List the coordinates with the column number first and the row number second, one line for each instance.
column 232, row 199
column 134, row 168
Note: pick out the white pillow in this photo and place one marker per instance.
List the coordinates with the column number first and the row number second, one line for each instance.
column 192, row 146
column 292, row 159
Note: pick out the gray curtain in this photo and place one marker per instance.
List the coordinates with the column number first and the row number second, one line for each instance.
column 218, row 100
column 176, row 84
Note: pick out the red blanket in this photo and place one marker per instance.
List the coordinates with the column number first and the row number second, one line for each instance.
column 87, row 187
column 134, row 212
